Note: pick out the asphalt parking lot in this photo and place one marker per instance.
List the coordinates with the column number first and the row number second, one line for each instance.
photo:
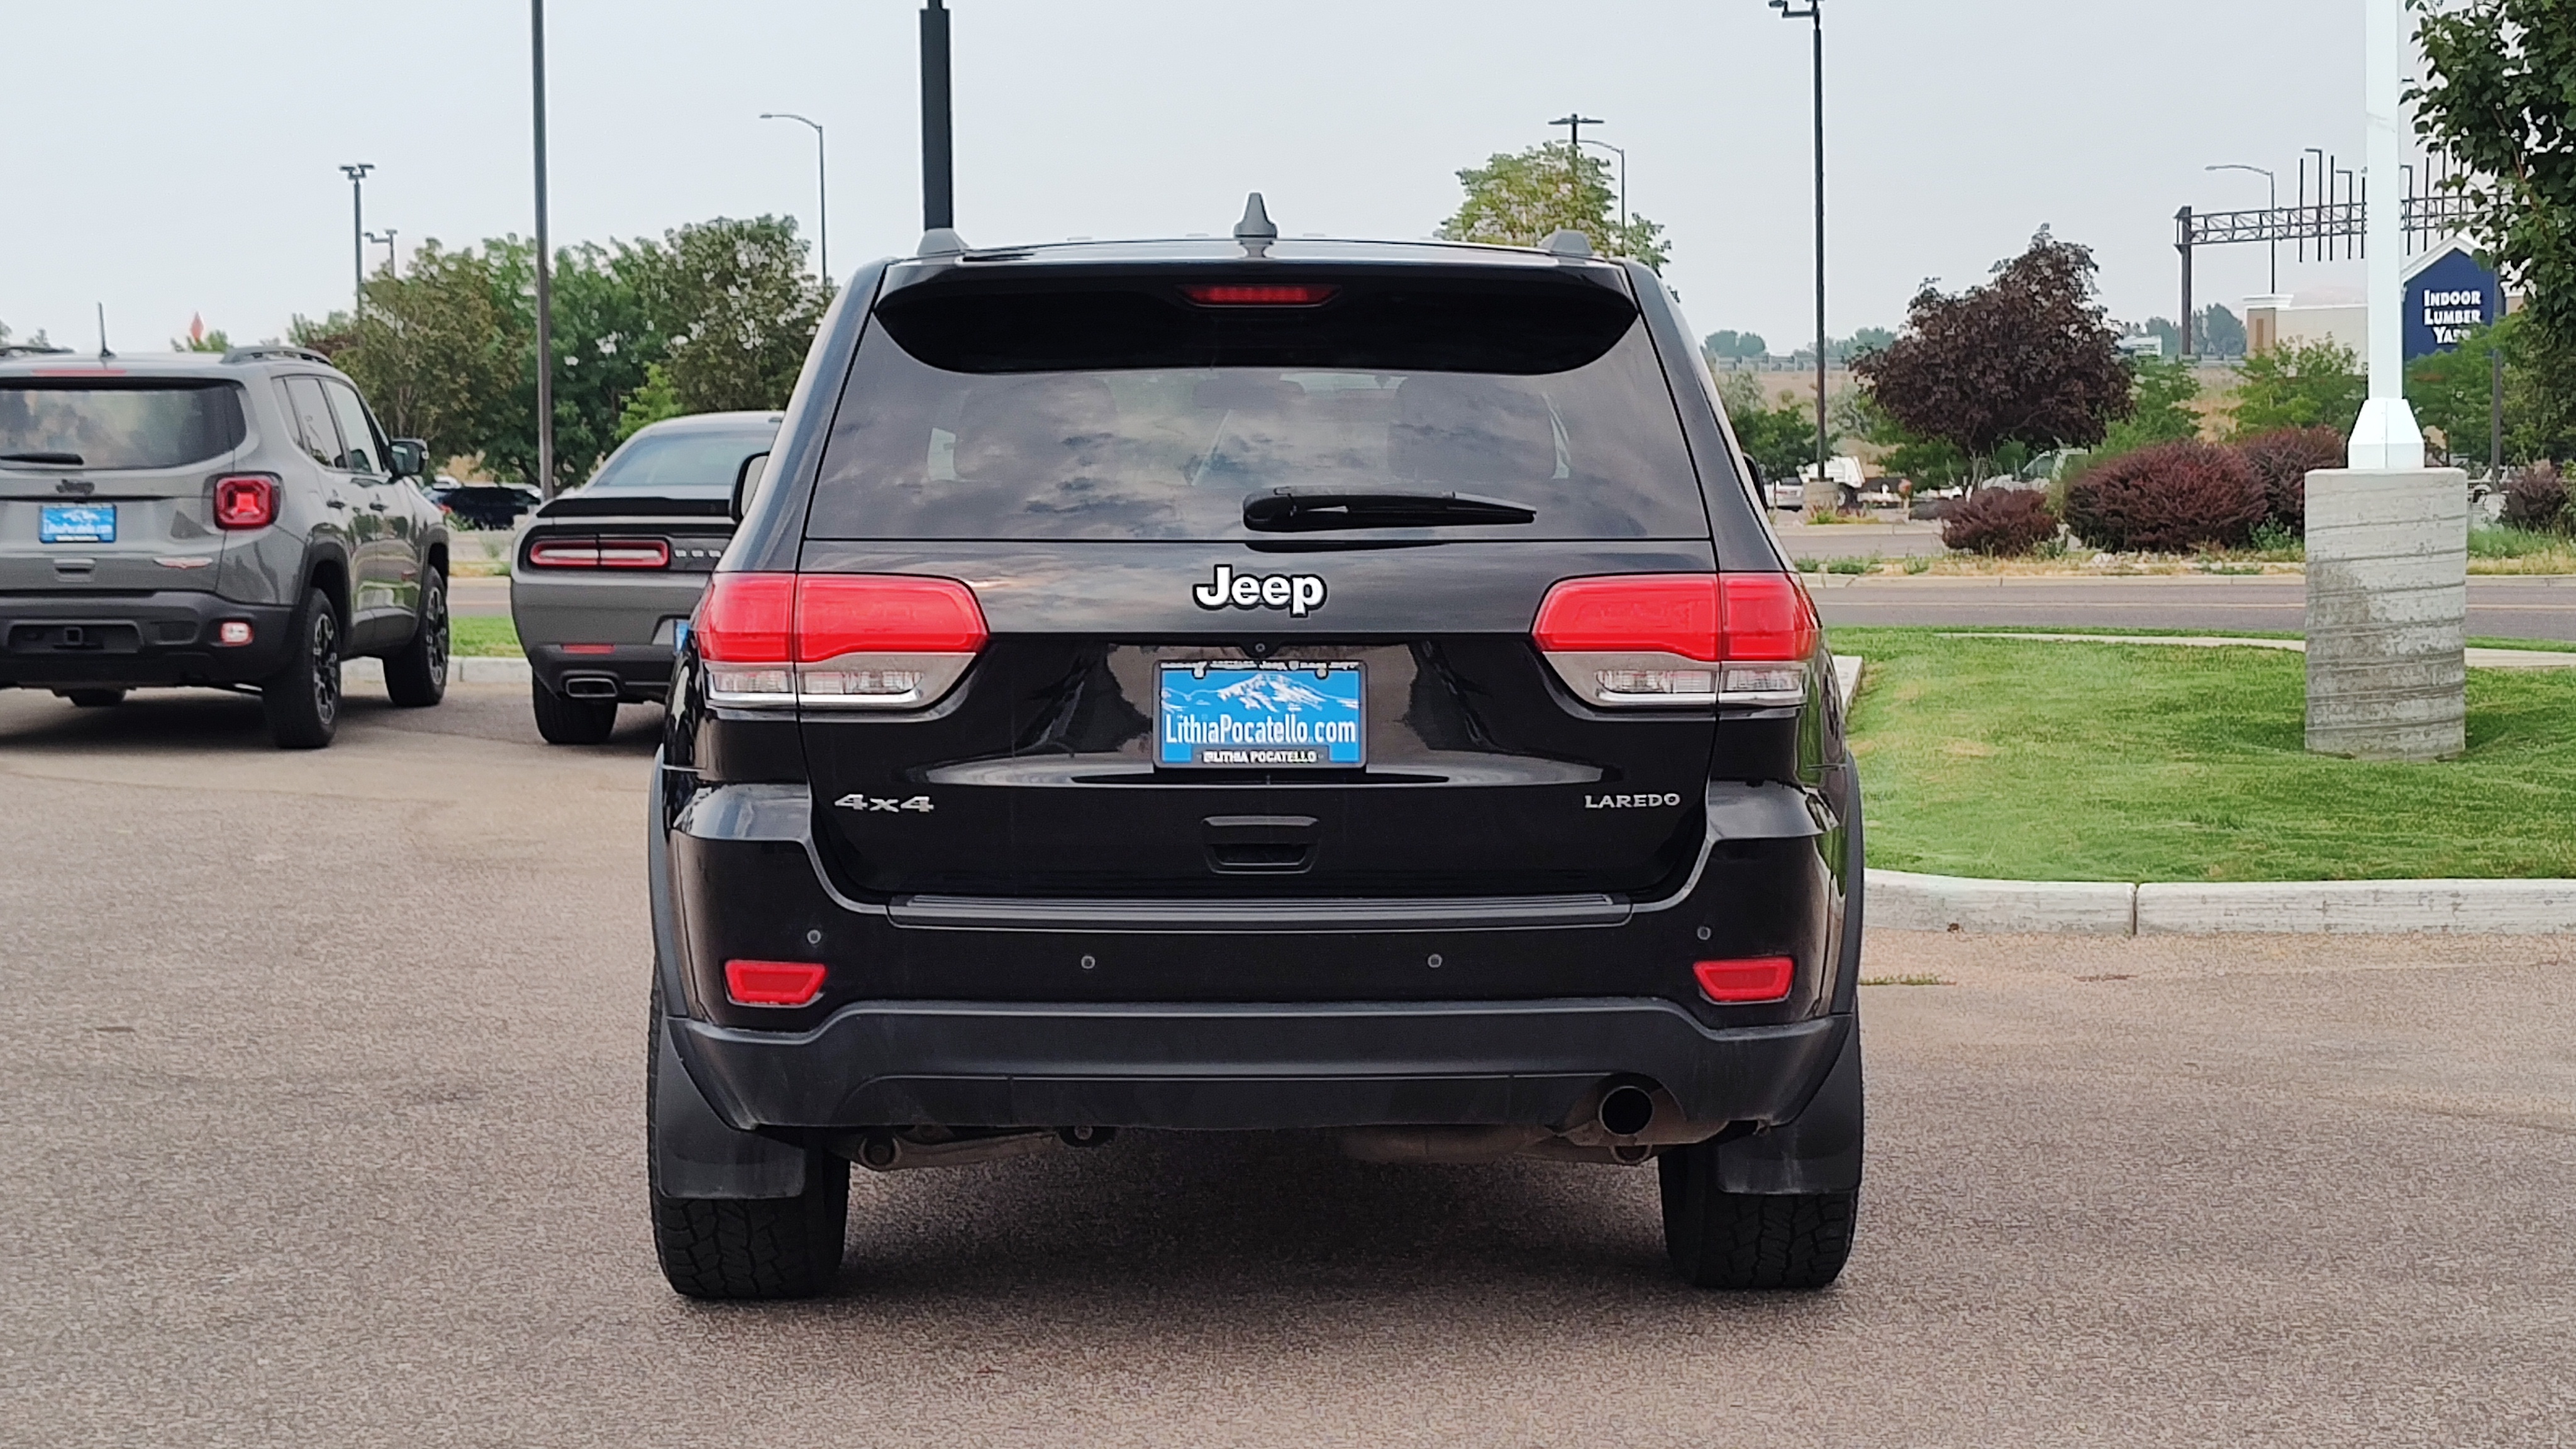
column 324, row 1128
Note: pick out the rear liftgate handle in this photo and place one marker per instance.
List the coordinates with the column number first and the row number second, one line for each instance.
column 1260, row 844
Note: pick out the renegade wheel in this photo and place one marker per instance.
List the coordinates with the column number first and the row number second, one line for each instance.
column 571, row 721
column 1738, row 1240
column 95, row 698
column 302, row 701
column 417, row 676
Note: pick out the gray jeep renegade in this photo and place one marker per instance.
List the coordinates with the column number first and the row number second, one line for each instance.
column 239, row 522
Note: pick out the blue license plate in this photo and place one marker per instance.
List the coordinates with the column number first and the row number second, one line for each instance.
column 77, row 523
column 1242, row 715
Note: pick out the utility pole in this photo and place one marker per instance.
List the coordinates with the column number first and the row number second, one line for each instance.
column 938, row 158
column 822, row 194
column 357, row 174
column 1815, row 14
column 545, row 258
column 1622, row 153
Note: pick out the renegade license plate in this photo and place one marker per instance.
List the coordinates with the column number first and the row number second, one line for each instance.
column 1246, row 715
column 77, row 523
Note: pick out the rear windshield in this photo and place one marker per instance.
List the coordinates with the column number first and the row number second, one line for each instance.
column 1129, row 416
column 115, row 423
column 681, row 464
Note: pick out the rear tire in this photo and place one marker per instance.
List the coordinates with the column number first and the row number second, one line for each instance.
column 1743, row 1241
column 416, row 678
column 302, row 700
column 566, row 721
column 95, row 698
column 774, row 1247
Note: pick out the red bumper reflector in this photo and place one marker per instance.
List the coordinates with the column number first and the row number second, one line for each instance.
column 1764, row 978
column 233, row 632
column 773, row 983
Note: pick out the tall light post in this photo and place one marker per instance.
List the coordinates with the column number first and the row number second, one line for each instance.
column 545, row 256
column 1574, row 122
column 1622, row 153
column 1815, row 14
column 385, row 239
column 357, row 174
column 2275, row 285
column 822, row 192
column 938, row 149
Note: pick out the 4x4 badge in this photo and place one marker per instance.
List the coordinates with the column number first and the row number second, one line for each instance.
column 868, row 803
column 1296, row 593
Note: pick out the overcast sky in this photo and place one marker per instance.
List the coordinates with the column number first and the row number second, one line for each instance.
column 170, row 157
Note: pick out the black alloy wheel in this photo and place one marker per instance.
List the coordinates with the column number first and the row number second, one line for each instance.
column 302, row 700
column 416, row 676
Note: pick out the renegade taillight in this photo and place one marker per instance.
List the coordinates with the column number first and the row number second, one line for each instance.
column 1640, row 640
column 1764, row 978
column 842, row 641
column 245, row 500
column 773, row 983
column 599, row 553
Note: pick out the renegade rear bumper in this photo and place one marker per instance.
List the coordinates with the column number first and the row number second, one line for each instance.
column 71, row 640
column 1244, row 1067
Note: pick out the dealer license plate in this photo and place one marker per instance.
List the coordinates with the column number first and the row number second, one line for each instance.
column 1262, row 716
column 77, row 523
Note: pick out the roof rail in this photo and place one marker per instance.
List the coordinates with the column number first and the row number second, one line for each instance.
column 30, row 349
column 267, row 351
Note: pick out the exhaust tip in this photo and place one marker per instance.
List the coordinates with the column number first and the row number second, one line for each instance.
column 1626, row 1111
column 589, row 686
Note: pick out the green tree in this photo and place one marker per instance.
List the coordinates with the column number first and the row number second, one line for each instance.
column 738, row 305
column 1731, row 344
column 2163, row 391
column 2500, row 95
column 438, row 349
column 2299, row 385
column 656, row 401
column 1781, row 437
column 1518, row 200
column 212, row 340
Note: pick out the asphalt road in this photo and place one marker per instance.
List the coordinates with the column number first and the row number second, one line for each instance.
column 323, row 1127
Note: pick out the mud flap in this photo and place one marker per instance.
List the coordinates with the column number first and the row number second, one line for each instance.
column 693, row 1153
column 1817, row 1151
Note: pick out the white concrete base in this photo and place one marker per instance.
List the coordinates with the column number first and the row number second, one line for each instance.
column 2490, row 907
column 2388, row 603
column 1903, row 901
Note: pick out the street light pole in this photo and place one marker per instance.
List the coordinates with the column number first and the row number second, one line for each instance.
column 1815, row 14
column 1623, row 180
column 2275, row 181
column 822, row 193
column 545, row 260
column 385, row 239
column 357, row 174
column 938, row 148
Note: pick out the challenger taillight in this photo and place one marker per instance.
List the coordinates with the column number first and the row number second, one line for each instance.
column 836, row 641
column 245, row 500
column 1644, row 640
column 571, row 551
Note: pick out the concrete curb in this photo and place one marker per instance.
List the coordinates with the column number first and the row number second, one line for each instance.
column 460, row 670
column 1904, row 901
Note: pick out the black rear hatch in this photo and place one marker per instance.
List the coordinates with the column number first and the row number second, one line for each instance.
column 1259, row 550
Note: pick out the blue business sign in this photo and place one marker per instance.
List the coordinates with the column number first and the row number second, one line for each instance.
column 2447, row 295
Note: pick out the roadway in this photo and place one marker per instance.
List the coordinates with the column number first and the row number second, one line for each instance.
column 324, row 1127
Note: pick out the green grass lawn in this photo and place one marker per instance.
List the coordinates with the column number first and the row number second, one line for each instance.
column 479, row 637
column 2031, row 760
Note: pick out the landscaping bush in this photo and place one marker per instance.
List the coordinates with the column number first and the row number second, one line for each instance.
column 2282, row 459
column 2170, row 498
column 2000, row 522
column 2537, row 499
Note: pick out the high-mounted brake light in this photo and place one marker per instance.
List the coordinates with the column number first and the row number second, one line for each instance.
column 840, row 641
column 773, row 983
column 1765, row 978
column 1637, row 640
column 245, row 500
column 1266, row 294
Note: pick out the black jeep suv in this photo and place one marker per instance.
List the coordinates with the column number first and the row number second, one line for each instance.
column 1221, row 685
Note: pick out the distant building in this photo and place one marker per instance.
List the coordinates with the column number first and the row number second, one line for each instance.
column 2448, row 292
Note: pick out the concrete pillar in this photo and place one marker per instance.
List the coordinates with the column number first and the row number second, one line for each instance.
column 2388, row 604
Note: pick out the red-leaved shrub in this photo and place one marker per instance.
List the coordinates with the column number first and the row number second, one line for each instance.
column 2537, row 498
column 2171, row 498
column 2283, row 458
column 1999, row 522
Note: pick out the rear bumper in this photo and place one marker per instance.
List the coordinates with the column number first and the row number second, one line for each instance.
column 72, row 640
column 1240, row 1067
column 634, row 673
column 624, row 614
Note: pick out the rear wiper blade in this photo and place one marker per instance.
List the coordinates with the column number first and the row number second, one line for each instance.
column 1304, row 510
column 73, row 459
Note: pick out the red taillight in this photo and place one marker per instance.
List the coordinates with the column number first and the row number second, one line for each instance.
column 634, row 553
column 863, row 641
column 584, row 552
column 1640, row 640
column 1765, row 978
column 773, row 983
column 246, row 500
column 564, row 553
column 1269, row 294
